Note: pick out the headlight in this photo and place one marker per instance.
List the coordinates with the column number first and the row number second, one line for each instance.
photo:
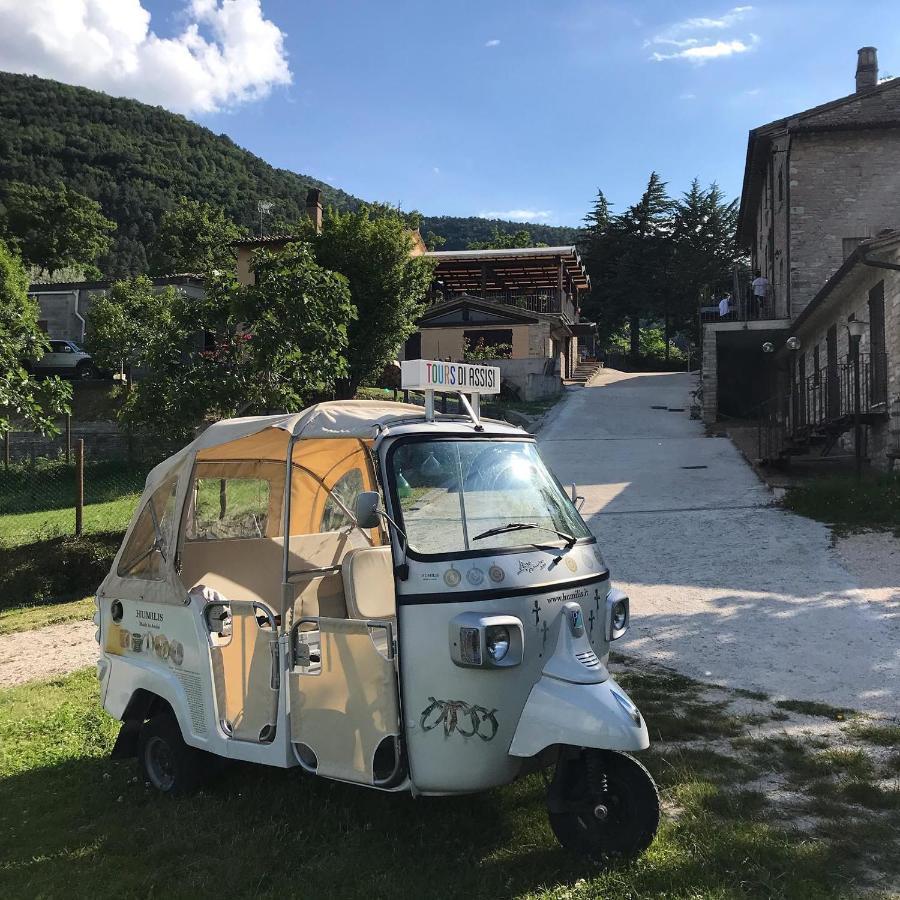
column 617, row 615
column 486, row 642
column 497, row 640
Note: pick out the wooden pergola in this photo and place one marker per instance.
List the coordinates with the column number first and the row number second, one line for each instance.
column 507, row 276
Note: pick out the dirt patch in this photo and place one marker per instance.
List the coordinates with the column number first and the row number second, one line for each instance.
column 46, row 652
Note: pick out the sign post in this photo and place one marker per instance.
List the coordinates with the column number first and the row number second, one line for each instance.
column 430, row 375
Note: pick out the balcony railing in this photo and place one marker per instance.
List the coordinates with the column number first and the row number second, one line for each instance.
column 823, row 403
column 540, row 302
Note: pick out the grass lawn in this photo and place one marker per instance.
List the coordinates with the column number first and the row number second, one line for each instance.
column 38, row 502
column 27, row 618
column 76, row 824
column 848, row 504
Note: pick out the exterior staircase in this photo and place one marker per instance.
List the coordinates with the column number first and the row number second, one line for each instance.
column 585, row 371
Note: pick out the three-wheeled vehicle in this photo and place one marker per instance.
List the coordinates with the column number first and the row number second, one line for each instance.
column 379, row 595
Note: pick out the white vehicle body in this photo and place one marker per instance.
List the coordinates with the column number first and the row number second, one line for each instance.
column 354, row 652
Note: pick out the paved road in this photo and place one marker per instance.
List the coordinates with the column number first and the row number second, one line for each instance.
column 724, row 586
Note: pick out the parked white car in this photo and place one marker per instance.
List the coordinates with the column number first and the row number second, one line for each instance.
column 65, row 358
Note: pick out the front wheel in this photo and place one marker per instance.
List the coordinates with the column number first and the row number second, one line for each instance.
column 166, row 761
column 603, row 805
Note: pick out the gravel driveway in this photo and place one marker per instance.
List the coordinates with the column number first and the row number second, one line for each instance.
column 724, row 586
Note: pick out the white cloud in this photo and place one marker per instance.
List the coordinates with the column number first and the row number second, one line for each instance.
column 692, row 41
column 518, row 215
column 687, row 96
column 493, row 42
column 226, row 53
column 706, row 52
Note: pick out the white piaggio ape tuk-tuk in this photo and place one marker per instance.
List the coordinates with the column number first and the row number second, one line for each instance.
column 379, row 595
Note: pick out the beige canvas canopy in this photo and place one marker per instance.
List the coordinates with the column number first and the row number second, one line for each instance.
column 266, row 437
column 331, row 443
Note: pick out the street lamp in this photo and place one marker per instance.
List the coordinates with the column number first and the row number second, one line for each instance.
column 855, row 330
column 793, row 344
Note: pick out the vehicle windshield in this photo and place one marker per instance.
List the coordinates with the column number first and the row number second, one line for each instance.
column 452, row 492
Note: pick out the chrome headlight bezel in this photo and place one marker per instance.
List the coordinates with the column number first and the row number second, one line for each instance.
column 470, row 635
column 618, row 614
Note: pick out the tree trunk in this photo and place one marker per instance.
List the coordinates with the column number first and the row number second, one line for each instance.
column 634, row 327
column 667, row 329
column 345, row 389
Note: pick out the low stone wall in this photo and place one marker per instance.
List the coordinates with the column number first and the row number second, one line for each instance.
column 528, row 379
column 102, row 440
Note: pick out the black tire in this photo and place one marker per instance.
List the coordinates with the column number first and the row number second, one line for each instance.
column 170, row 765
column 85, row 370
column 631, row 803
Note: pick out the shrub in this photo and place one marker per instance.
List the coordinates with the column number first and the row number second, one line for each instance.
column 63, row 568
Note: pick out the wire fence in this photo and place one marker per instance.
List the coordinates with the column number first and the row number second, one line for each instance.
column 53, row 487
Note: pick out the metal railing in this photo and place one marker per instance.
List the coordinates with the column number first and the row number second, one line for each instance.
column 824, row 401
column 540, row 302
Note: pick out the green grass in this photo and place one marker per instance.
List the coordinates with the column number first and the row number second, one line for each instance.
column 873, row 502
column 60, row 569
column 27, row 618
column 873, row 733
column 37, row 502
column 814, row 708
column 76, row 824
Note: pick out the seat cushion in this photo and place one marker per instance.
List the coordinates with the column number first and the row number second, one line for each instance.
column 369, row 583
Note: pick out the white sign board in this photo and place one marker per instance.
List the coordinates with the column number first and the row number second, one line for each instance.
column 433, row 375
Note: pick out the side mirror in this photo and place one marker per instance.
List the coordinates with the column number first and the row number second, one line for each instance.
column 577, row 501
column 368, row 509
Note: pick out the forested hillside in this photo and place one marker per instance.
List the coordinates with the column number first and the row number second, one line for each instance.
column 136, row 160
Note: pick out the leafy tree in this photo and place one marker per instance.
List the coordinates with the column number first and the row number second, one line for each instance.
column 502, row 240
column 121, row 321
column 194, row 237
column 704, row 250
column 371, row 249
column 23, row 399
column 277, row 344
column 55, row 227
column 597, row 220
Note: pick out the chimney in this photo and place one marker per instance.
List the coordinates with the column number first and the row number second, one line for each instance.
column 314, row 207
column 867, row 69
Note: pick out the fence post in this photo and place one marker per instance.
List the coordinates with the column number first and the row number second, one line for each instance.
column 79, row 485
column 6, row 441
column 68, row 437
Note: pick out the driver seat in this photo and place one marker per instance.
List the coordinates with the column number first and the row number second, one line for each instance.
column 368, row 575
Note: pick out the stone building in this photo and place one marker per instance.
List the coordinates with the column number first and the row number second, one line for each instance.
column 818, row 185
column 64, row 307
column 525, row 302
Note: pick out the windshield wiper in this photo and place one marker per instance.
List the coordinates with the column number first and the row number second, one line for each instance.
column 520, row 526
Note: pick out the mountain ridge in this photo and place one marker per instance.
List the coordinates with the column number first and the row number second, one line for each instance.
column 136, row 160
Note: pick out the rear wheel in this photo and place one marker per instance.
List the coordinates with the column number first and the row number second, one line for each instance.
column 169, row 764
column 84, row 370
column 603, row 805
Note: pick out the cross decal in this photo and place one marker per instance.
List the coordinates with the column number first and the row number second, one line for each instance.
column 597, row 599
column 537, row 613
column 591, row 622
column 544, row 631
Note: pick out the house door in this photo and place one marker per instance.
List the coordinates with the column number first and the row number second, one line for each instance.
column 832, row 383
column 877, row 382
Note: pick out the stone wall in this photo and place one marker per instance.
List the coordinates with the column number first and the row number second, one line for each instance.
column 843, row 185
column 851, row 298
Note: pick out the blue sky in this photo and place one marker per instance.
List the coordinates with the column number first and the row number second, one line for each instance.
column 469, row 108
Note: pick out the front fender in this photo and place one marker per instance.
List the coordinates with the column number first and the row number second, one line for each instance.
column 580, row 715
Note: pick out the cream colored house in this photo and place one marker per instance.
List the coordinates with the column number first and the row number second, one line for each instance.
column 525, row 302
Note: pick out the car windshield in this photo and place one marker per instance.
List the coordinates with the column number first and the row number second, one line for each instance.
column 452, row 492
